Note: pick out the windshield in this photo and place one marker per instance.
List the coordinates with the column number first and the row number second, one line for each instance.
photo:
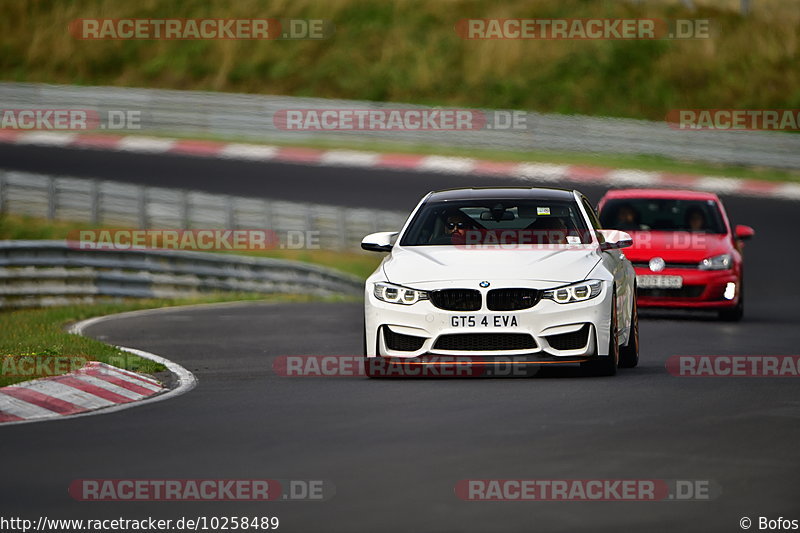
column 662, row 214
column 491, row 221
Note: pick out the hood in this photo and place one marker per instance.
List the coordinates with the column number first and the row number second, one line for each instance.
column 677, row 246
column 421, row 264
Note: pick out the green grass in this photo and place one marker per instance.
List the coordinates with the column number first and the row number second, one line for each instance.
column 408, row 51
column 32, row 336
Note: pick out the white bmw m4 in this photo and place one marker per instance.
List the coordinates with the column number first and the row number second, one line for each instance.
column 518, row 274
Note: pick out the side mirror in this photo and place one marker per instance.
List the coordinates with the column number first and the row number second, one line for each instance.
column 744, row 232
column 379, row 242
column 614, row 239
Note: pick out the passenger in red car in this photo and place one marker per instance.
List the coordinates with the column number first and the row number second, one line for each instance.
column 695, row 219
column 627, row 218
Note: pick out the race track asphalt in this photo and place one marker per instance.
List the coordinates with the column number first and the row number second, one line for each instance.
column 394, row 449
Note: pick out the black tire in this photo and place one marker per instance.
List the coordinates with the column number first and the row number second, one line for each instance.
column 629, row 355
column 734, row 314
column 607, row 366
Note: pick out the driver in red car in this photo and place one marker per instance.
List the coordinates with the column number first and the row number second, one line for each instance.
column 695, row 219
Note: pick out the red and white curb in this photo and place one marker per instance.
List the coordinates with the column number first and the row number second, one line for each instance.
column 96, row 388
column 533, row 172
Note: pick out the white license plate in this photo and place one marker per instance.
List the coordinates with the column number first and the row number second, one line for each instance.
column 659, row 282
column 483, row 321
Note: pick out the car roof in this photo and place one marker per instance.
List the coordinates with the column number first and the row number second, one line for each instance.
column 478, row 193
column 672, row 194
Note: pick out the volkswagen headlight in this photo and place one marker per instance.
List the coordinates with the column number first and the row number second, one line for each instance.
column 397, row 294
column 719, row 262
column 577, row 292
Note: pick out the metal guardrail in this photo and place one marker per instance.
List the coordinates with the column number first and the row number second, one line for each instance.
column 40, row 273
column 110, row 203
column 242, row 116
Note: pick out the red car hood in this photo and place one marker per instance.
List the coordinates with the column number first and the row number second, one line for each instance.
column 676, row 246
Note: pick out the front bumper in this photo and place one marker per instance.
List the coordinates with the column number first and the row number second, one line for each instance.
column 702, row 289
column 545, row 323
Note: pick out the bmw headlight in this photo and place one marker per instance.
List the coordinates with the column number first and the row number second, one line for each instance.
column 719, row 262
column 577, row 292
column 397, row 294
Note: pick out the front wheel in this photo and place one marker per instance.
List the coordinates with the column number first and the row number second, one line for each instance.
column 607, row 366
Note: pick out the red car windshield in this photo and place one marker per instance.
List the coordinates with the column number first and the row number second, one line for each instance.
column 662, row 214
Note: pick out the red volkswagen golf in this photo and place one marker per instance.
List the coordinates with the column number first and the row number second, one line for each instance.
column 684, row 251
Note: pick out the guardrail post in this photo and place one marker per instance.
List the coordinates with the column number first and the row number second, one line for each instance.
column 185, row 208
column 230, row 212
column 142, row 207
column 342, row 218
column 3, row 191
column 51, row 198
column 268, row 219
column 94, row 193
column 309, row 219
